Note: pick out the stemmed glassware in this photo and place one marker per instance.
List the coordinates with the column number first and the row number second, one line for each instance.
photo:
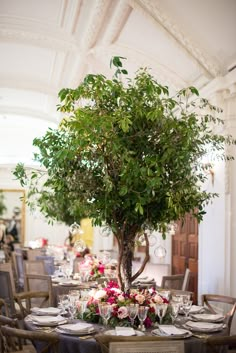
column 161, row 311
column 174, row 306
column 132, row 312
column 142, row 314
column 105, row 312
column 186, row 306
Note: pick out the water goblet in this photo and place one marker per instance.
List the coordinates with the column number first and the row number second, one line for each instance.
column 186, row 306
column 132, row 312
column 82, row 305
column 142, row 314
column 174, row 306
column 161, row 311
column 105, row 312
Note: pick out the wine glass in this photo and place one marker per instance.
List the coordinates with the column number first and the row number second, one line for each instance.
column 105, row 312
column 161, row 311
column 82, row 305
column 142, row 314
column 186, row 306
column 132, row 312
column 174, row 306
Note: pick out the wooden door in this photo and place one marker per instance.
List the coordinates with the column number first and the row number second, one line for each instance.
column 185, row 251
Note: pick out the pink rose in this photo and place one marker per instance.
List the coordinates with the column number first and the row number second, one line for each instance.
column 122, row 312
column 140, row 298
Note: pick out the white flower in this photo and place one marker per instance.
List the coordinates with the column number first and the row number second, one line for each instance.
column 121, row 298
column 117, row 290
column 100, row 294
column 122, row 312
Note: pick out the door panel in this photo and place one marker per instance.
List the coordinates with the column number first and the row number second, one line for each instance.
column 185, row 251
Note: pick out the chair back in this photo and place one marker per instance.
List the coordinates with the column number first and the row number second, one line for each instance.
column 32, row 253
column 6, row 292
column 138, row 344
column 147, row 347
column 8, row 268
column 48, row 263
column 34, row 267
column 3, row 308
column 19, row 268
column 39, row 283
column 216, row 303
column 27, row 300
column 185, row 285
column 215, row 344
column 14, row 338
column 172, row 282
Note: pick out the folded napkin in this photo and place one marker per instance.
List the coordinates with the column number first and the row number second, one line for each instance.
column 46, row 311
column 171, row 330
column 45, row 320
column 77, row 328
column 125, row 331
column 208, row 317
column 196, row 309
column 203, row 326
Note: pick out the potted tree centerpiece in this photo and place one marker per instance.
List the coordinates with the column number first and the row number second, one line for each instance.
column 128, row 156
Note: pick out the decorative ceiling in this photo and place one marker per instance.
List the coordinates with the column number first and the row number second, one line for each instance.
column 50, row 44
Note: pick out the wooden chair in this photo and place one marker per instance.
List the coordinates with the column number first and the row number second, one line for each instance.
column 209, row 299
column 13, row 338
column 48, row 263
column 8, row 268
column 27, row 300
column 3, row 308
column 34, row 267
column 187, row 275
column 32, row 253
column 39, row 283
column 6, row 292
column 138, row 344
column 18, row 261
column 214, row 343
column 147, row 347
column 172, row 282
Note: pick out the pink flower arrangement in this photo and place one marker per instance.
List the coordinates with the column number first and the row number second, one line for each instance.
column 119, row 301
column 94, row 267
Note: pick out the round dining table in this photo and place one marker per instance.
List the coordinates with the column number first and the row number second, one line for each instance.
column 88, row 344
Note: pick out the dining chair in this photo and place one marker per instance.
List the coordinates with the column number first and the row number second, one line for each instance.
column 18, row 261
column 147, row 347
column 215, row 343
column 6, row 292
column 106, row 341
column 172, row 281
column 3, row 308
column 217, row 303
column 14, row 338
column 48, row 263
column 27, row 300
column 39, row 283
column 8, row 268
column 32, row 253
column 34, row 267
column 187, row 275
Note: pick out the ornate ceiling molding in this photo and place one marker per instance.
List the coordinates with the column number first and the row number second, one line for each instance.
column 151, row 9
column 118, row 19
column 95, row 22
column 58, row 41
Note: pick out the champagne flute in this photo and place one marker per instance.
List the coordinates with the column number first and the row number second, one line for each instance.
column 161, row 311
column 132, row 312
column 142, row 314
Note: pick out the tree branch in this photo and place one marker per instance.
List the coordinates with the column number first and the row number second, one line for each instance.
column 145, row 261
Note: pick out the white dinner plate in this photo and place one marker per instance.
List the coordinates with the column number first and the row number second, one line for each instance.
column 46, row 311
column 75, row 333
column 201, row 326
column 187, row 334
column 113, row 333
column 208, row 317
